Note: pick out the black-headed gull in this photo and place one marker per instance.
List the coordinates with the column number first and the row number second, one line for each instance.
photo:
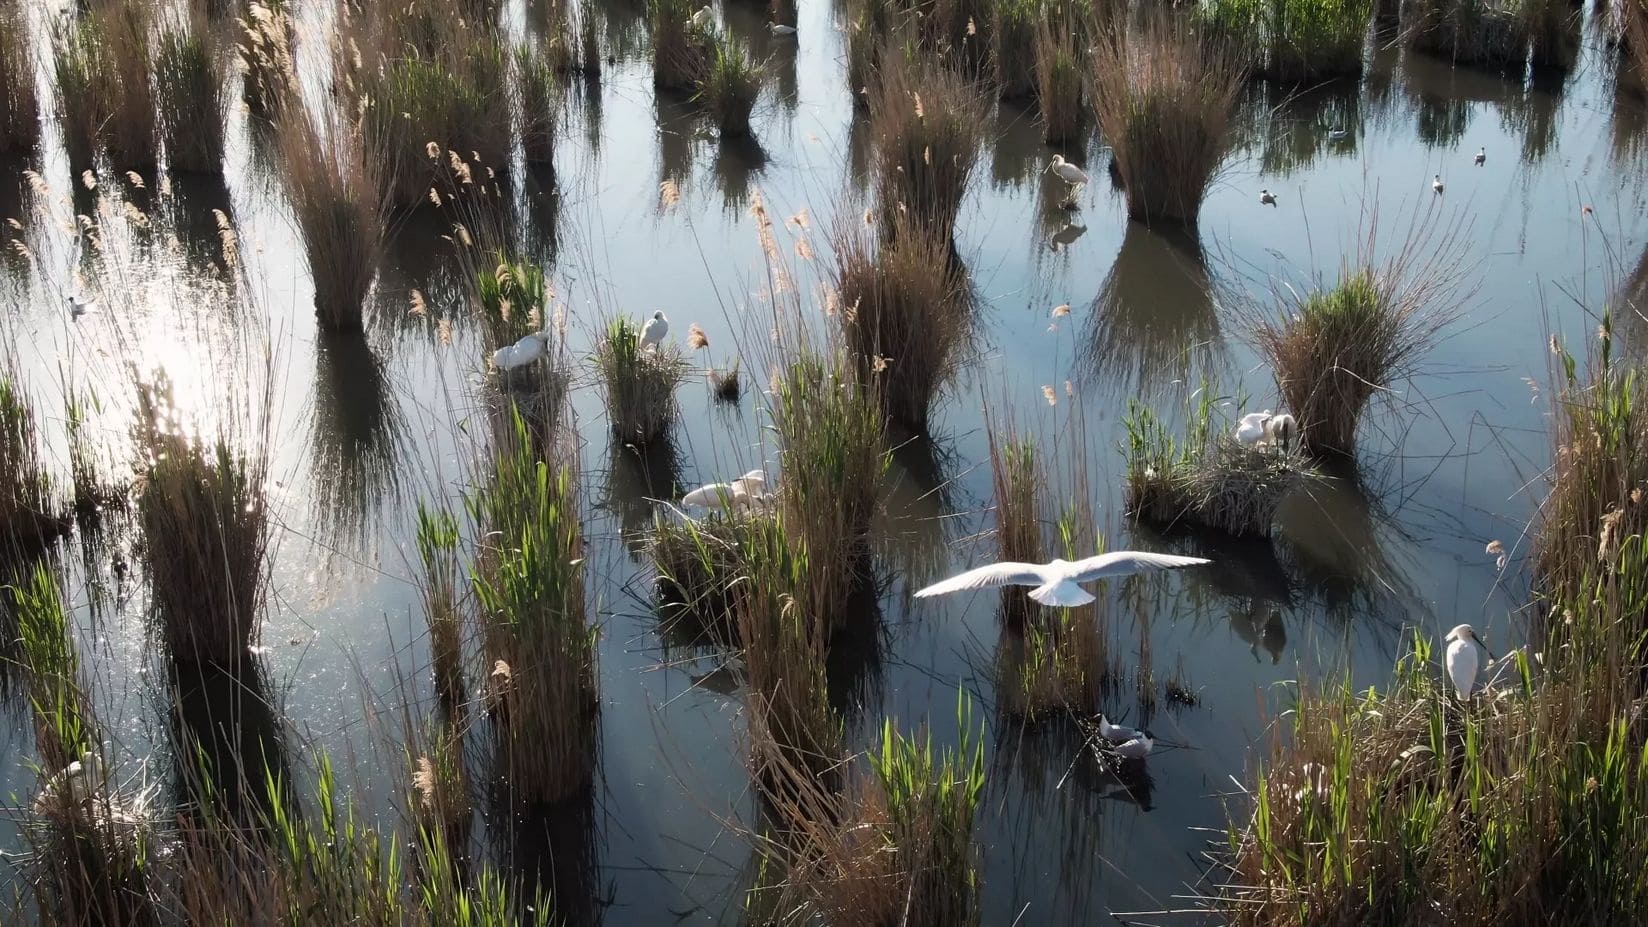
column 1056, row 582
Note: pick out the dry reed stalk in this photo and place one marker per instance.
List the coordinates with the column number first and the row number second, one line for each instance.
column 928, row 126
column 264, row 47
column 1061, row 91
column 19, row 100
column 1163, row 97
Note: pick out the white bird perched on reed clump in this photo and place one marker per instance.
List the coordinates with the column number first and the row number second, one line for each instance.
column 1280, row 430
column 1067, row 172
column 1250, row 429
column 528, row 350
column 1136, row 749
column 653, row 333
column 744, row 493
column 1056, row 582
column 700, row 19
column 1462, row 660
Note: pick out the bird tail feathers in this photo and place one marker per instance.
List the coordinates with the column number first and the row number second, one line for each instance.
column 1061, row 594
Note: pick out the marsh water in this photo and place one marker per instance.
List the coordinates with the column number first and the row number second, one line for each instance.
column 361, row 431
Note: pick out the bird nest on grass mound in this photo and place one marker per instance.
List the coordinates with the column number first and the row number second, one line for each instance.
column 699, row 564
column 90, row 846
column 1228, row 487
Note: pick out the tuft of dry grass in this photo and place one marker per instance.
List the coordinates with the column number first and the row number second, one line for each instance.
column 1163, row 97
column 205, row 520
column 906, row 313
column 332, row 182
column 1014, row 25
column 268, row 70
column 104, row 74
column 1061, row 82
column 640, row 383
column 19, row 100
column 927, row 123
column 189, row 95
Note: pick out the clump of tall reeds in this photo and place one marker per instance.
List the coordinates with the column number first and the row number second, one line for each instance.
column 27, row 501
column 540, row 89
column 905, row 312
column 1635, row 41
column 1484, row 33
column 529, row 586
column 640, row 382
column 832, row 454
column 869, row 22
column 103, row 75
column 699, row 565
column 1206, row 478
column 730, row 85
column 19, row 101
column 189, row 96
column 268, row 70
column 680, row 52
column 1293, row 40
column 1017, row 482
column 512, row 299
column 65, row 727
column 1061, row 82
column 439, row 577
column 332, row 184
column 1163, row 96
column 927, row 123
column 1013, row 46
column 205, row 520
column 440, row 793
column 1334, row 349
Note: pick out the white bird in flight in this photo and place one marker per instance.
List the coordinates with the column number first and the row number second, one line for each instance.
column 1481, row 156
column 780, row 29
column 1056, row 582
column 1462, row 659
column 1067, row 172
column 1436, row 183
column 700, row 19
column 654, row 331
column 526, row 351
column 1250, row 430
column 742, row 493
column 1267, row 198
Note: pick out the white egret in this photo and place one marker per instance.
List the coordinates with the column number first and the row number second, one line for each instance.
column 528, row 350
column 1481, row 156
column 780, row 29
column 1067, row 172
column 1436, row 183
column 741, row 493
column 1138, row 748
column 1267, row 198
column 74, row 783
column 1462, row 659
column 1115, row 733
column 1280, row 430
column 654, row 331
column 79, row 307
column 1250, row 430
column 700, row 19
column 1056, row 582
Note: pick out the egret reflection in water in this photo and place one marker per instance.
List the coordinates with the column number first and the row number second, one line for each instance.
column 1154, row 319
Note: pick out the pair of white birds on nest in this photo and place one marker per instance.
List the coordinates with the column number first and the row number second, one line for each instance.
column 1125, row 742
column 748, row 493
column 1262, row 429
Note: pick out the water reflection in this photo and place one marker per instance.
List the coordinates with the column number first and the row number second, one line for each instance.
column 636, row 475
column 541, row 205
column 1153, row 319
column 1532, row 114
column 737, row 160
column 355, row 442
column 227, row 743
column 197, row 201
column 748, row 24
column 1295, row 127
column 1017, row 152
column 553, row 848
column 1629, row 118
column 860, row 149
column 678, row 130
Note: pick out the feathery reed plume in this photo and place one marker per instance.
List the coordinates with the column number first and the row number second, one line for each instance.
column 928, row 124
column 1061, row 81
column 640, row 382
column 905, row 313
column 1163, row 97
column 19, row 102
column 268, row 70
column 332, row 184
column 730, row 84
column 439, row 790
column 204, row 515
column 189, row 96
column 512, row 299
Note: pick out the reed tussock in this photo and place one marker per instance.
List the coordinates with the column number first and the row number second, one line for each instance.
column 906, row 313
column 1482, row 33
column 90, row 851
column 832, row 453
column 1061, row 82
column 541, row 89
column 640, row 383
column 1017, row 484
column 680, row 53
column 1014, row 40
column 104, row 77
column 28, row 507
column 332, row 183
column 529, row 587
column 1206, row 479
column 730, row 86
column 268, row 69
column 1163, row 97
column 1404, row 806
column 19, row 100
column 869, row 22
column 189, row 96
column 204, row 515
column 1294, row 41
column 700, row 564
column 927, row 123
column 439, row 578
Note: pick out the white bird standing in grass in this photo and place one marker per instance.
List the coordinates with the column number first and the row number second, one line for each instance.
column 1462, row 660
column 1436, row 183
column 526, row 351
column 1280, row 430
column 1250, row 429
column 700, row 19
column 1067, row 172
column 652, row 334
column 780, row 29
column 742, row 493
column 1056, row 582
column 1481, row 156
column 1267, row 198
